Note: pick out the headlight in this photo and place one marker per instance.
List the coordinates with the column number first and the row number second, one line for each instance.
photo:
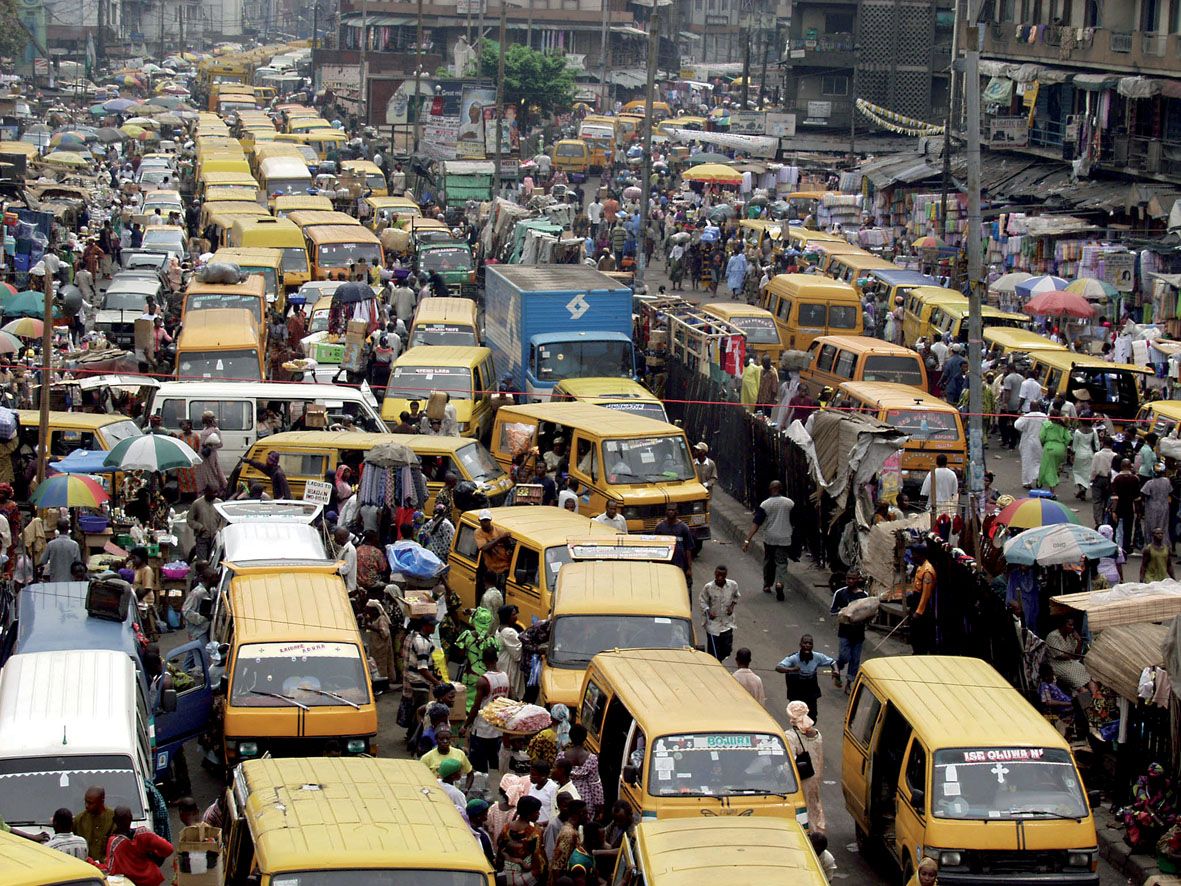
column 248, row 748
column 947, row 858
column 631, row 513
column 699, row 507
column 356, row 746
column 1081, row 858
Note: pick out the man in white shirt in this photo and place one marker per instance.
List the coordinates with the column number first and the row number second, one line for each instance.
column 346, row 551
column 773, row 516
column 449, row 771
column 594, row 213
column 611, row 517
column 939, row 349
column 1031, row 391
column 717, row 601
column 64, row 839
column 748, row 679
column 947, row 487
column 560, row 775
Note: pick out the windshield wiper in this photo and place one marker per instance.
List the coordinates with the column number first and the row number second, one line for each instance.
column 1048, row 812
column 325, row 692
column 286, row 698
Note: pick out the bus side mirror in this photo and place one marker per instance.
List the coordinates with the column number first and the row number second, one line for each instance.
column 918, row 800
column 168, row 701
column 631, row 776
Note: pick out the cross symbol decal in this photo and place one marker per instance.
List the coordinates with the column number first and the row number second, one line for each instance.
column 1000, row 772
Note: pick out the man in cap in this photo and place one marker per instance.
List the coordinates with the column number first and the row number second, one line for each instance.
column 555, row 459
column 850, row 636
column 707, row 471
column 492, row 543
column 444, row 753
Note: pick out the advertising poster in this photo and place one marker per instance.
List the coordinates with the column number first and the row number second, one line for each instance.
column 477, row 108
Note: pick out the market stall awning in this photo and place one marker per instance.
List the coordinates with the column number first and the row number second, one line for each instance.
column 629, row 30
column 1138, row 87
column 1057, row 225
column 1119, row 654
column 1094, row 82
column 1053, row 76
column 627, row 79
column 1125, row 604
column 354, row 19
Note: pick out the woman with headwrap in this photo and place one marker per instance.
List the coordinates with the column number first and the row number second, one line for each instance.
column 803, row 736
column 508, row 639
column 381, row 641
column 1153, row 809
column 472, row 643
column 1054, row 438
column 546, row 744
column 209, row 472
column 927, row 873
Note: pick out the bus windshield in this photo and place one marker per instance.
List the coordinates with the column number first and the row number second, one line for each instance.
column 903, row 370
column 204, row 301
column 269, row 675
column 720, row 765
column 36, row 787
column 647, row 460
column 443, row 334
column 450, row 258
column 417, row 382
column 576, row 639
column 223, row 365
column 758, row 330
column 339, row 255
column 986, row 784
column 923, row 424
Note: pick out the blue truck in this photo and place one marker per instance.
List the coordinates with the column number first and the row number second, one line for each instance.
column 546, row 324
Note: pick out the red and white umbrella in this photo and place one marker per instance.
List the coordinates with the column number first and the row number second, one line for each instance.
column 1059, row 303
column 1036, row 285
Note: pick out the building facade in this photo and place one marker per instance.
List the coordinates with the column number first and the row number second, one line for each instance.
column 894, row 53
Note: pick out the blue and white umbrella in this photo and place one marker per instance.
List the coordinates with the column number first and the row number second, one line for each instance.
column 1044, row 283
column 1057, row 545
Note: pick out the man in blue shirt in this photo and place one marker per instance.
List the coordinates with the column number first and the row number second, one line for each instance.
column 800, row 669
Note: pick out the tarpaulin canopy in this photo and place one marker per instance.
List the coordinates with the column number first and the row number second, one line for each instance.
column 999, row 91
column 1094, row 82
column 1027, row 73
column 1138, row 87
column 1125, row 604
column 1052, row 76
column 1119, row 654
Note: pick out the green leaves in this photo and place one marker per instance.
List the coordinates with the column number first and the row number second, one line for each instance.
column 531, row 78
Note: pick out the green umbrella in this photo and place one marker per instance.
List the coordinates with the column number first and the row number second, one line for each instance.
column 99, row 110
column 27, row 304
column 708, row 157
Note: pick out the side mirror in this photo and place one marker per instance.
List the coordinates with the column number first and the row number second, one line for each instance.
column 222, row 684
column 631, row 776
column 168, row 701
column 1094, row 798
column 918, row 800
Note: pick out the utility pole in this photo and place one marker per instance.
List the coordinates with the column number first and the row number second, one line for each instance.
column 746, row 66
column 161, row 29
column 766, row 52
column 646, row 184
column 605, row 52
column 499, row 92
column 361, row 72
column 46, row 377
column 853, row 113
column 180, row 23
column 975, row 38
column 315, row 33
column 102, row 32
column 417, row 104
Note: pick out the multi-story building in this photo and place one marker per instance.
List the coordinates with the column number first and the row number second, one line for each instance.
column 894, row 53
column 722, row 31
column 1097, row 84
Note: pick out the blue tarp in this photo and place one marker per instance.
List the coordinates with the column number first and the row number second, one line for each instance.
column 82, row 461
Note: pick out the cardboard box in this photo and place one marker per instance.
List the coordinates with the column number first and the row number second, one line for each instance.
column 198, row 856
column 418, row 603
column 353, row 356
column 436, row 406
column 459, row 709
column 315, row 416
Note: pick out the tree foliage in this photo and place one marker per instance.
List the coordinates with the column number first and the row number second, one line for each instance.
column 12, row 36
column 531, row 78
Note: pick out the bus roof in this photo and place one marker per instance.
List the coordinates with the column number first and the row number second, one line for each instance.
column 443, row 355
column 1067, row 360
column 547, row 525
column 960, row 702
column 815, row 285
column 308, row 217
column 598, row 419
column 218, row 329
column 321, row 234
column 24, row 862
column 358, row 813
column 617, row 588
column 254, row 284
column 268, row 605
column 892, row 395
column 864, row 344
column 683, row 690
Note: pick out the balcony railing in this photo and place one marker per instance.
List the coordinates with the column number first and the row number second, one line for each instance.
column 825, row 43
column 1156, row 45
column 1121, row 41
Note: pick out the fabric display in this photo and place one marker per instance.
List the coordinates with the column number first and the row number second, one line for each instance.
column 842, row 209
column 787, row 175
column 850, row 182
column 895, row 122
column 390, row 487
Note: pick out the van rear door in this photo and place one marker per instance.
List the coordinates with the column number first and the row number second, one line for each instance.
column 189, row 666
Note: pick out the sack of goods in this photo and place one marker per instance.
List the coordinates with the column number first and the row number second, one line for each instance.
column 860, row 611
column 220, row 272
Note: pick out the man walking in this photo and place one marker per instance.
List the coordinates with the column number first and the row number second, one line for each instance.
column 851, row 635
column 717, row 601
column 60, row 554
column 773, row 515
column 484, row 745
column 1011, row 402
column 800, row 670
column 748, row 679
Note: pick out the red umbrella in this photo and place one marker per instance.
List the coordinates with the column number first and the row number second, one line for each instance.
column 1059, row 303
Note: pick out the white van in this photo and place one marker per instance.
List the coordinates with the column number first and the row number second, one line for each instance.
column 238, row 407
column 68, row 721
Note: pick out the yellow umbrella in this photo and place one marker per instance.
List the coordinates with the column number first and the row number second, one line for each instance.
column 131, row 130
column 64, row 158
column 714, row 173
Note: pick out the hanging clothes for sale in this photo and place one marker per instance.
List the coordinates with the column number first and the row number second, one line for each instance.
column 392, row 474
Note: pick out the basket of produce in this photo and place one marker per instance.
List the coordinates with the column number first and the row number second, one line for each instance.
column 514, row 717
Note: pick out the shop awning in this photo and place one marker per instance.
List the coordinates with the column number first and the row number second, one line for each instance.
column 354, row 19
column 688, row 35
column 629, row 30
column 627, row 79
column 989, row 68
column 1053, row 76
column 1138, row 87
column 1094, row 82
column 1119, row 654
column 1057, row 225
column 1027, row 73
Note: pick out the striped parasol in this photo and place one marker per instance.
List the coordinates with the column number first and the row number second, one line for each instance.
column 69, row 491
column 1026, row 513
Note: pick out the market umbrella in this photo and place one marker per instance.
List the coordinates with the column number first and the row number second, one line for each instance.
column 169, row 119
column 70, row 159
column 109, row 135
column 1036, row 285
column 143, row 122
column 1057, row 546
column 67, row 141
column 10, row 344
column 82, row 461
column 722, row 212
column 151, row 452
column 151, row 108
column 707, row 157
column 350, row 293
column 24, row 326
column 99, row 110
column 929, row 242
column 1059, row 303
column 1008, row 282
column 69, row 491
column 132, row 131
column 7, row 290
column 118, row 105
column 1092, row 289
column 1026, row 513
column 714, row 173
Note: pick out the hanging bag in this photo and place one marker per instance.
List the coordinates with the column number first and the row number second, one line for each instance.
column 804, row 760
